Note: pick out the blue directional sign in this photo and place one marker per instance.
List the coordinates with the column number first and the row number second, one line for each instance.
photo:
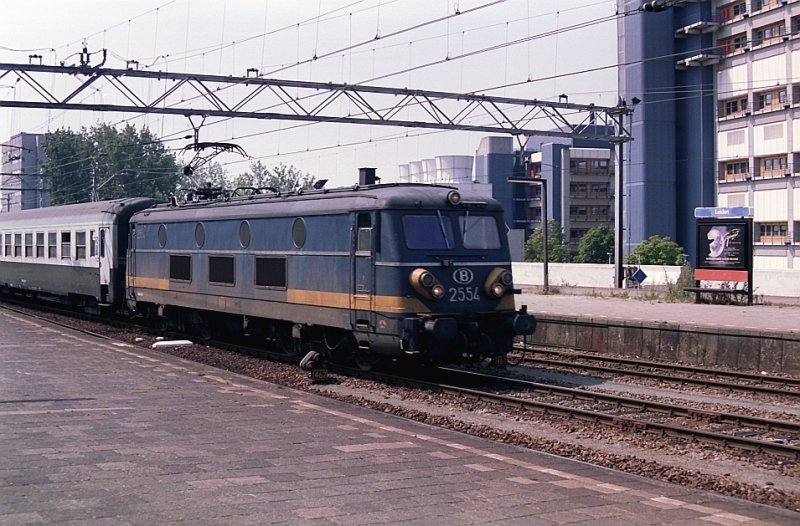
column 640, row 276
column 723, row 212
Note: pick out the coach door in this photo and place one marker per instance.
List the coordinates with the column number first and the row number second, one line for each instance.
column 363, row 272
column 106, row 264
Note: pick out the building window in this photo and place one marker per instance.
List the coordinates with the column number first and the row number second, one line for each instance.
column 732, row 11
column 772, row 233
column 771, row 100
column 735, row 170
column 578, row 213
column 733, row 107
column 772, row 166
column 577, row 189
column 599, row 190
column 771, row 34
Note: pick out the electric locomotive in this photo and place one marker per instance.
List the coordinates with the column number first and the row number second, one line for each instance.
column 368, row 272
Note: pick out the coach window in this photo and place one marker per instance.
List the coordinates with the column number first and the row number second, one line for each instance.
column 17, row 245
column 221, row 270
column 52, row 245
column 39, row 244
column 80, row 245
column 28, row 245
column 7, row 245
column 92, row 243
column 66, row 245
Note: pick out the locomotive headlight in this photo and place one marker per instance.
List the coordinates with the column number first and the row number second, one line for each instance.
column 498, row 283
column 498, row 290
column 426, row 284
column 427, row 280
column 454, row 198
column 437, row 291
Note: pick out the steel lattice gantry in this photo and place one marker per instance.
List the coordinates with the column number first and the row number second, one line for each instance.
column 189, row 95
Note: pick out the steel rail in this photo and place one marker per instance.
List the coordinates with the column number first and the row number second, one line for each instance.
column 763, row 389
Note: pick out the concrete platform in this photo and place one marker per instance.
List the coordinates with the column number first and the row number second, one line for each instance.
column 753, row 338
column 93, row 432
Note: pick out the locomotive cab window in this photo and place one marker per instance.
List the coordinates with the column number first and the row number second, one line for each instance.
column 479, row 232
column 428, row 232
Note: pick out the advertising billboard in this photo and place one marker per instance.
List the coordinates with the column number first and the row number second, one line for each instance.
column 724, row 244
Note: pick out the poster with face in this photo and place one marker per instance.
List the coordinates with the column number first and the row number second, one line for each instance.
column 723, row 244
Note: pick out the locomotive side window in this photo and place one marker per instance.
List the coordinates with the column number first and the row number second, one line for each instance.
column 428, row 232
column 364, row 225
column 479, row 232
column 221, row 270
column 28, row 245
column 200, row 235
column 180, row 268
column 66, row 245
column 52, row 245
column 244, row 234
column 17, row 245
column 39, row 244
column 299, row 232
column 80, row 245
column 271, row 272
column 162, row 235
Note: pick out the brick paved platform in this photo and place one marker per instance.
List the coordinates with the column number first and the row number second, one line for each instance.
column 93, row 432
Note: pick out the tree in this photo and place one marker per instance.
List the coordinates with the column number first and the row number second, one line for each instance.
column 557, row 250
column 657, row 250
column 595, row 245
column 211, row 174
column 107, row 163
column 282, row 178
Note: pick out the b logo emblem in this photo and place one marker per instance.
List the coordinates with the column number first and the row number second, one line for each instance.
column 463, row 276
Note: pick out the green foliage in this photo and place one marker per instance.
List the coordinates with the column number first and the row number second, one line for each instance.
column 282, row 178
column 595, row 246
column 657, row 250
column 557, row 249
column 107, row 163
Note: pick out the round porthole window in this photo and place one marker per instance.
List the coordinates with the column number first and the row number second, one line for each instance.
column 162, row 235
column 299, row 232
column 200, row 234
column 244, row 234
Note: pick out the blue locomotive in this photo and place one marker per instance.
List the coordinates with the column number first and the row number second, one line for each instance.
column 368, row 272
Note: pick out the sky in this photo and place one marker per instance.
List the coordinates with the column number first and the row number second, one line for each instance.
column 376, row 42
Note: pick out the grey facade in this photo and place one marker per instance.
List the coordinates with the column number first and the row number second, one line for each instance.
column 22, row 184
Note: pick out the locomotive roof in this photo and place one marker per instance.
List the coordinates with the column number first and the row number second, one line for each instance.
column 399, row 196
column 81, row 212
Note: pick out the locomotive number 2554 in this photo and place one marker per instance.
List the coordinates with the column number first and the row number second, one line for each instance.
column 461, row 294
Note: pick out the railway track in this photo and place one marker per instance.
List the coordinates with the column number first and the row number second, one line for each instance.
column 734, row 380
column 778, row 437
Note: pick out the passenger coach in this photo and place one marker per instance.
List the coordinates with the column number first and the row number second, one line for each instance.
column 73, row 253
